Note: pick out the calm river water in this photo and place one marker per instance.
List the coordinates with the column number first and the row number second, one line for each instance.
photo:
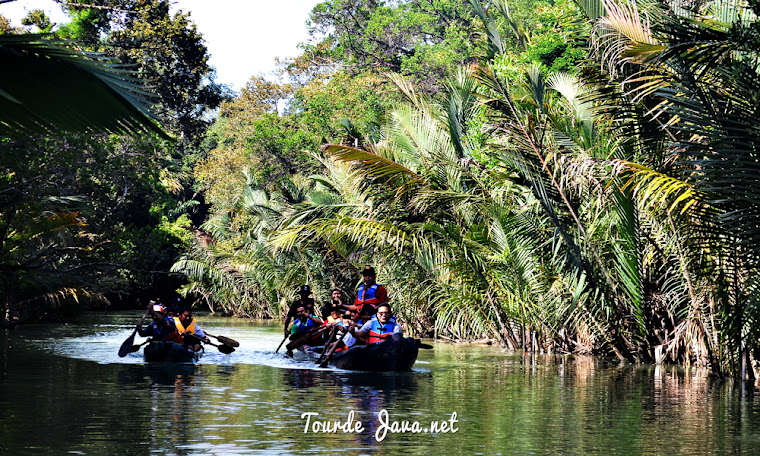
column 64, row 390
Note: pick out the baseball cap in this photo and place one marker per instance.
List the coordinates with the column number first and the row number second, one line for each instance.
column 368, row 270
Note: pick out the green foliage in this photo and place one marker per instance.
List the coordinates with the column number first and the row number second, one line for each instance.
column 99, row 96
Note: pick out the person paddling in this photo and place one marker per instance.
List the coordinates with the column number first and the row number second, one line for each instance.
column 162, row 328
column 189, row 330
column 376, row 330
column 302, row 330
column 304, row 299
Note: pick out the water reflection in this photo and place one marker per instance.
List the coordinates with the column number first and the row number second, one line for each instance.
column 254, row 401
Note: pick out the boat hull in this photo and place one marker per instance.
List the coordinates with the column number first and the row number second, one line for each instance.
column 395, row 354
column 168, row 352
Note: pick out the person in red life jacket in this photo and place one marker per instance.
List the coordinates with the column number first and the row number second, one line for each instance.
column 162, row 328
column 369, row 296
column 304, row 323
column 187, row 328
column 304, row 299
column 376, row 330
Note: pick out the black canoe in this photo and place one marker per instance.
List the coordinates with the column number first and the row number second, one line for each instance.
column 395, row 354
column 169, row 352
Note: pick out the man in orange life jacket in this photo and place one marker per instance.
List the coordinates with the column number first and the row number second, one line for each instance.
column 186, row 326
column 369, row 296
column 377, row 329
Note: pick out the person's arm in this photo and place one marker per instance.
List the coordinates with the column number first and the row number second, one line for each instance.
column 352, row 307
column 361, row 332
column 381, row 294
column 316, row 320
column 199, row 332
column 290, row 316
column 144, row 332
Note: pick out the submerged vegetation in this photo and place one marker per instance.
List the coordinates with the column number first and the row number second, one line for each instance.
column 562, row 177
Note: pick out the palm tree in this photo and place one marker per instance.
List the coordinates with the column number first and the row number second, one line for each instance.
column 49, row 86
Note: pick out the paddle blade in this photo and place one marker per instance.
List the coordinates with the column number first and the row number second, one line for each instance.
column 423, row 345
column 225, row 349
column 228, row 341
column 126, row 346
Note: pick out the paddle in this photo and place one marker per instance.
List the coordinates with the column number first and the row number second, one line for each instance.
column 225, row 340
column 126, row 346
column 423, row 345
column 329, row 339
column 332, row 349
column 138, row 346
column 222, row 348
column 283, row 341
column 303, row 338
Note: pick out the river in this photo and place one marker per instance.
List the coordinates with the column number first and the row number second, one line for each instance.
column 64, row 390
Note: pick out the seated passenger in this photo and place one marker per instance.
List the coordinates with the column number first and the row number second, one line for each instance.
column 347, row 323
column 334, row 316
column 376, row 330
column 301, row 330
column 189, row 330
column 304, row 322
column 162, row 327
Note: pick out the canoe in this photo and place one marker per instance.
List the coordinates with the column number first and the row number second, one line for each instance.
column 169, row 352
column 395, row 354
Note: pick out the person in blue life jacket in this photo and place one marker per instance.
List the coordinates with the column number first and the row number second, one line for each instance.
column 162, row 328
column 376, row 330
column 304, row 299
column 369, row 296
column 304, row 324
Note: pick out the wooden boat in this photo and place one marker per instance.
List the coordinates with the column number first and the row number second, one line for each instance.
column 395, row 354
column 169, row 352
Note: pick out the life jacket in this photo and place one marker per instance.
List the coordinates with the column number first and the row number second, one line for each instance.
column 304, row 326
column 366, row 296
column 378, row 332
column 180, row 328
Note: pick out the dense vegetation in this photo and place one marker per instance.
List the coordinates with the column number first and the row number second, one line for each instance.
column 557, row 176
column 95, row 198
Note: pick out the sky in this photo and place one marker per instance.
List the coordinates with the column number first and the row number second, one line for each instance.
column 243, row 36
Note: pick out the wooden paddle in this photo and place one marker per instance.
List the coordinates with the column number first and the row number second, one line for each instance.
column 332, row 350
column 137, row 347
column 423, row 345
column 225, row 340
column 283, row 341
column 303, row 338
column 222, row 348
column 126, row 346
column 329, row 339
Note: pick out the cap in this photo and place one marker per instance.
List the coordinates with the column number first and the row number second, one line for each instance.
column 368, row 270
column 304, row 289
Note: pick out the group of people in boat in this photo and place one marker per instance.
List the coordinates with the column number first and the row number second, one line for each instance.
column 175, row 325
column 368, row 320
